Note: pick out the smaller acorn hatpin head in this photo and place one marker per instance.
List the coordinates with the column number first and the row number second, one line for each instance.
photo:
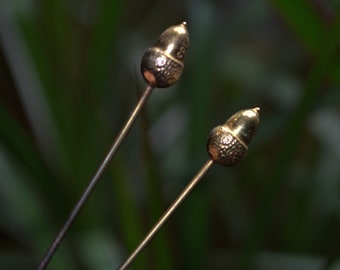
column 228, row 144
column 162, row 65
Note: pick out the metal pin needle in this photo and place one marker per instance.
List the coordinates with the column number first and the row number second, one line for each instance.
column 157, row 73
column 167, row 214
column 227, row 145
column 113, row 149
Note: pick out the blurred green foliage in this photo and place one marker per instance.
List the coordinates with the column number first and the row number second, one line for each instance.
column 69, row 77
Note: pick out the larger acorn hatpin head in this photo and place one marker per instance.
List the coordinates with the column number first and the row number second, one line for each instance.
column 228, row 144
column 162, row 65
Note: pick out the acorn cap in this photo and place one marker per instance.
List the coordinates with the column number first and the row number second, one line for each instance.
column 227, row 144
column 162, row 65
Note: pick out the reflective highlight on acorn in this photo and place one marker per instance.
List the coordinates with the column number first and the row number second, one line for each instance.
column 227, row 144
column 162, row 65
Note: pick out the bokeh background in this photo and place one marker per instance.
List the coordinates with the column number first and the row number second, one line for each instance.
column 69, row 76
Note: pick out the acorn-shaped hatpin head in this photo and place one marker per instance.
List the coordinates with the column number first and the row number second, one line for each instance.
column 162, row 65
column 227, row 144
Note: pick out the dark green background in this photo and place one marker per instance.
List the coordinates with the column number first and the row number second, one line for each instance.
column 69, row 76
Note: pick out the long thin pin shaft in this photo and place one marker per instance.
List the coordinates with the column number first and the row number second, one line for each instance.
column 167, row 214
column 113, row 149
